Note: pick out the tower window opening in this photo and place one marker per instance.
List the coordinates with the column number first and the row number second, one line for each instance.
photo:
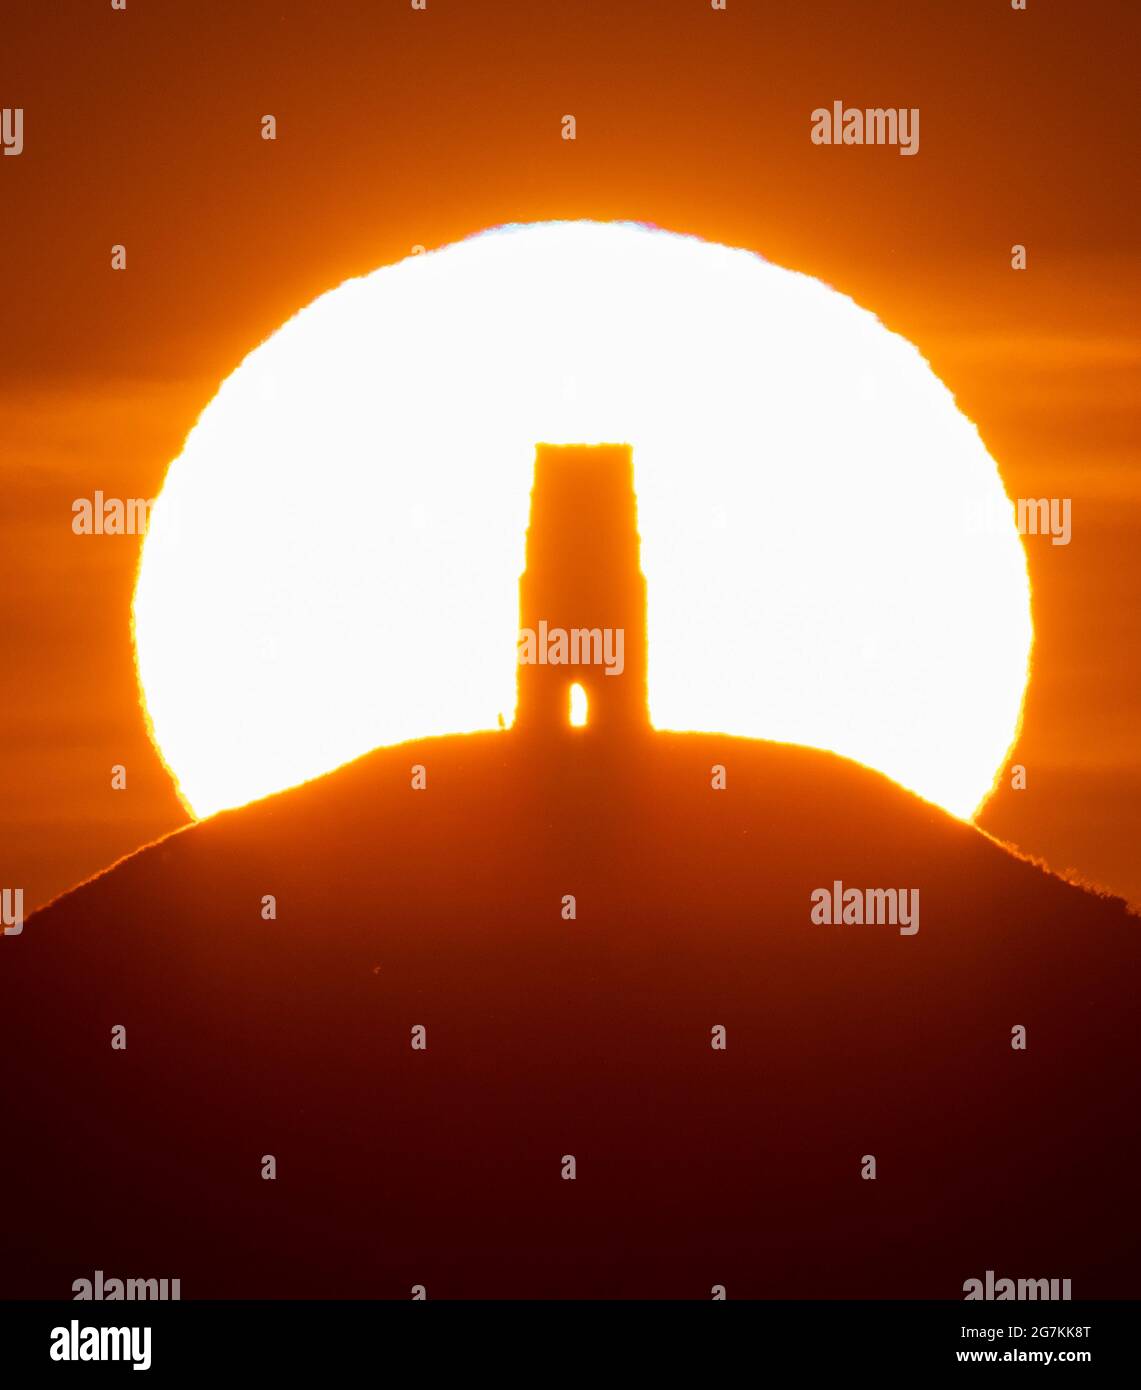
column 578, row 706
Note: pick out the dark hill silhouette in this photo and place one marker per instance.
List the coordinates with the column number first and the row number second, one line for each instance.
column 549, row 1037
column 589, row 1037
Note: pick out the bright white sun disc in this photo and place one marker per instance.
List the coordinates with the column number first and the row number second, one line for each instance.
column 333, row 562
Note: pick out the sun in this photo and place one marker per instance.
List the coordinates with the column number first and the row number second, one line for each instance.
column 333, row 561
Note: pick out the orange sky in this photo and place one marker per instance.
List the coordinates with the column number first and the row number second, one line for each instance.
column 397, row 127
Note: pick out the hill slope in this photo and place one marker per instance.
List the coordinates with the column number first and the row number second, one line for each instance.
column 589, row 1037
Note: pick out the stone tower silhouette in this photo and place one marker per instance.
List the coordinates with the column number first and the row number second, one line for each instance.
column 583, row 577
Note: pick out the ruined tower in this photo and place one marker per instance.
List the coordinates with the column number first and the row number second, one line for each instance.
column 582, row 594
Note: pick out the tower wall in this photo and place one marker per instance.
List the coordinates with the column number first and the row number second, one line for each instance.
column 583, row 571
